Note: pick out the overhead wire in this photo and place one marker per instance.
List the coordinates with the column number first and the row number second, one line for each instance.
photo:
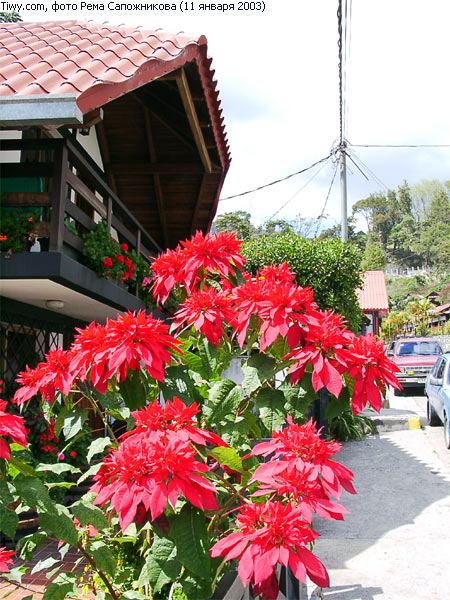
column 367, row 168
column 299, row 190
column 322, row 213
column 398, row 145
column 261, row 187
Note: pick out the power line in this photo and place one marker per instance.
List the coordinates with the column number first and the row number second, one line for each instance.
column 399, row 145
column 300, row 190
column 371, row 173
column 326, row 200
column 261, row 187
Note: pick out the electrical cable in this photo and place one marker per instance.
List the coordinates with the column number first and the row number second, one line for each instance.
column 371, row 173
column 261, row 187
column 298, row 191
column 399, row 145
column 326, row 200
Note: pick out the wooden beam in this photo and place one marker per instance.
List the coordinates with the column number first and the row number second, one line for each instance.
column 156, row 180
column 86, row 193
column 188, row 103
column 156, row 168
column 200, row 198
column 106, row 157
column 58, row 195
column 166, row 115
column 26, row 199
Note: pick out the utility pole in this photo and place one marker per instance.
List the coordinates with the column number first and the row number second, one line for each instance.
column 343, row 173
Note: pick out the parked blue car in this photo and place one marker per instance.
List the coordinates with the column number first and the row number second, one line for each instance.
column 437, row 390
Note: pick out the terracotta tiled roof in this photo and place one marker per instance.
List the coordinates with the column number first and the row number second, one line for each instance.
column 442, row 309
column 99, row 63
column 373, row 295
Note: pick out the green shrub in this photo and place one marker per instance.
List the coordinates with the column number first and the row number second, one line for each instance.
column 329, row 266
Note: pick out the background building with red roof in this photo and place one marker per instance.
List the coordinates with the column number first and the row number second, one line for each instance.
column 373, row 300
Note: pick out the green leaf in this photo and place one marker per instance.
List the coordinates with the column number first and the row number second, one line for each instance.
column 45, row 564
column 89, row 473
column 224, row 399
column 89, row 515
column 57, row 468
column 188, row 529
column 335, row 408
column 35, row 494
column 235, row 433
column 8, row 522
column 161, row 566
column 28, row 544
column 59, row 589
column 22, row 466
column 59, row 422
column 257, row 369
column 61, row 524
column 209, row 355
column 133, row 390
column 104, row 558
column 178, row 382
column 73, row 422
column 252, row 425
column 271, row 408
column 195, row 587
column 228, row 457
column 97, row 446
column 5, row 494
column 299, row 398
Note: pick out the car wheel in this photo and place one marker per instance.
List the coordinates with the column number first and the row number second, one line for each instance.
column 446, row 433
column 432, row 417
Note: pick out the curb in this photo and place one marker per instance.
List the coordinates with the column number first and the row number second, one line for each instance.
column 384, row 423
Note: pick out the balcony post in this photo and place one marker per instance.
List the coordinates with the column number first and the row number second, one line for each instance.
column 109, row 208
column 58, row 199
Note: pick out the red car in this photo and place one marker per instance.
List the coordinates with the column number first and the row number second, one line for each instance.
column 415, row 356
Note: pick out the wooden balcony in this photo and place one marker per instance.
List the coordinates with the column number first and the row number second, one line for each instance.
column 58, row 177
column 72, row 186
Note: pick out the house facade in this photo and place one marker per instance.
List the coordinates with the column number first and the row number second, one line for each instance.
column 373, row 301
column 98, row 123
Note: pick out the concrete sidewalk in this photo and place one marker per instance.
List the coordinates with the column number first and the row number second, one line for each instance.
column 395, row 543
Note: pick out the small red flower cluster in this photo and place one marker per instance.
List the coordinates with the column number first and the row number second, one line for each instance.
column 120, row 258
column 100, row 353
column 155, row 463
column 3, row 238
column 48, row 438
column 300, row 478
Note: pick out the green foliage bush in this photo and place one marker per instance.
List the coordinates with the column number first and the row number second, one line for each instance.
column 329, row 266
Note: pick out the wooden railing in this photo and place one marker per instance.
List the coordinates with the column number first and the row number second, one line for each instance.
column 72, row 186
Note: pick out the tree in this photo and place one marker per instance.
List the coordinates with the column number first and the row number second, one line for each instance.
column 237, row 221
column 420, row 312
column 10, row 17
column 373, row 258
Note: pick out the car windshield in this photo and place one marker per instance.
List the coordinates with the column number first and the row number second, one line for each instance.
column 406, row 348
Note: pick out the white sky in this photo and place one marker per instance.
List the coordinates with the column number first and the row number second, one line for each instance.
column 277, row 73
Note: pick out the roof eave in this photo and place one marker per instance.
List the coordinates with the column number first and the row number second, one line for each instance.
column 40, row 109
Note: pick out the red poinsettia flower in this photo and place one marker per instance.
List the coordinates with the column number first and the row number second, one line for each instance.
column 207, row 310
column 174, row 416
column 217, row 253
column 302, row 485
column 322, row 346
column 150, row 469
column 52, row 375
column 269, row 534
column 13, row 427
column 277, row 274
column 5, row 560
column 89, row 355
column 134, row 338
column 296, row 445
column 247, row 302
column 285, row 305
column 372, row 370
column 168, row 272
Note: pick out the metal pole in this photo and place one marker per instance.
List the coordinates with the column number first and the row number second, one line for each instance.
column 343, row 173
